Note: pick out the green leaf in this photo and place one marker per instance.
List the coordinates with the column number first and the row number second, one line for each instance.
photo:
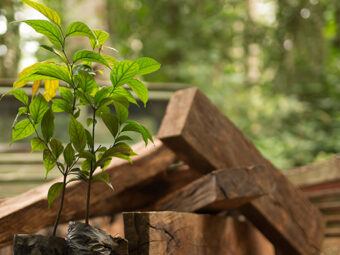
column 101, row 94
column 43, row 71
column 49, row 161
column 141, row 91
column 60, row 105
column 66, row 94
column 136, row 127
column 48, row 29
column 90, row 56
column 122, row 111
column 20, row 95
column 120, row 150
column 69, row 154
column 56, row 147
column 24, row 74
column 46, row 11
column 89, row 122
column 122, row 92
column 38, row 108
column 87, row 155
column 123, row 138
column 147, row 65
column 103, row 177
column 84, row 68
column 22, row 110
column 47, row 125
column 101, row 37
column 22, row 129
column 86, row 166
column 54, row 192
column 111, row 122
column 86, row 83
column 77, row 134
column 89, row 139
column 79, row 28
column 37, row 144
column 53, row 70
column 55, row 52
column 109, row 59
column 123, row 72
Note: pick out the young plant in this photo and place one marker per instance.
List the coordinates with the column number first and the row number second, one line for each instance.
column 73, row 78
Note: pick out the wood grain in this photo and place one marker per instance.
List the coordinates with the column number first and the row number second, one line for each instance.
column 215, row 192
column 137, row 185
column 205, row 139
column 165, row 233
column 315, row 174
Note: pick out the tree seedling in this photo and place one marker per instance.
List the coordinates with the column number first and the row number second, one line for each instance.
column 72, row 78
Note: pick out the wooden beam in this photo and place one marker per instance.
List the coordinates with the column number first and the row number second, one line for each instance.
column 321, row 195
column 315, row 174
column 332, row 232
column 215, row 192
column 205, row 139
column 165, row 233
column 137, row 185
column 332, row 207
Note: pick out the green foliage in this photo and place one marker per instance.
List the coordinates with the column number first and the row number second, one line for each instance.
column 136, row 127
column 47, row 125
column 37, row 144
column 54, row 192
column 22, row 129
column 147, row 65
column 100, row 38
column 79, row 29
column 77, row 135
column 47, row 29
column 123, row 72
column 69, row 154
column 139, row 88
column 20, row 95
column 111, row 122
column 272, row 71
column 49, row 161
column 46, row 11
column 38, row 108
column 90, row 56
column 79, row 89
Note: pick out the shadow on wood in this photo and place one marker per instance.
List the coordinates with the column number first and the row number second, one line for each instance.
column 205, row 139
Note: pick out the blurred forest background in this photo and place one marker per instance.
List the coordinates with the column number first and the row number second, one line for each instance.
column 272, row 66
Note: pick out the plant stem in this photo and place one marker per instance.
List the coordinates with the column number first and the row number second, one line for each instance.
column 93, row 168
column 88, row 198
column 56, row 223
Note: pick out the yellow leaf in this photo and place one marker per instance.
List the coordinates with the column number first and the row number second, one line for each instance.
column 46, row 11
column 51, row 88
column 27, row 71
column 35, row 87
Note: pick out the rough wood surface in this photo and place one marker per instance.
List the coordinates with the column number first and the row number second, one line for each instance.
column 137, row 185
column 316, row 173
column 218, row 191
column 205, row 139
column 165, row 233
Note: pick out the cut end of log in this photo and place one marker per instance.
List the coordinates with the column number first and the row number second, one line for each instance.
column 180, row 115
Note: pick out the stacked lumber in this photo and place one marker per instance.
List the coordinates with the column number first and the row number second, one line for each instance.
column 226, row 198
column 321, row 183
